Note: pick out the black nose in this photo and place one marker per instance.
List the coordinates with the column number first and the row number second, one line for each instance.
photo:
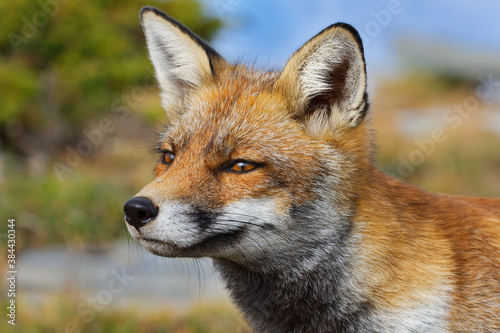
column 139, row 211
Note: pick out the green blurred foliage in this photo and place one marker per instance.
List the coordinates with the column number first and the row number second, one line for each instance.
column 65, row 61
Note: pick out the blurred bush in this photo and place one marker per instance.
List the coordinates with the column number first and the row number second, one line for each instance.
column 65, row 61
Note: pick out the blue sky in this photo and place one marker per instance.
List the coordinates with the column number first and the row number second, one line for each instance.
column 268, row 32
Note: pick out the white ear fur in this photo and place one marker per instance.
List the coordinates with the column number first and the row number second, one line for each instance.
column 181, row 59
column 328, row 75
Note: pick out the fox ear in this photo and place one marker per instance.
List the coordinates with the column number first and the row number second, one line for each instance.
column 327, row 78
column 182, row 60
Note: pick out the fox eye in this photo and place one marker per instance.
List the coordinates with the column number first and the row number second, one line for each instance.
column 242, row 166
column 167, row 158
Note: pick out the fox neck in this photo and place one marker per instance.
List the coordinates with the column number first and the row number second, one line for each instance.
column 290, row 301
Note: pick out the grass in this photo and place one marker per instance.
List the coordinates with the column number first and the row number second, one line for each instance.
column 60, row 314
column 81, row 209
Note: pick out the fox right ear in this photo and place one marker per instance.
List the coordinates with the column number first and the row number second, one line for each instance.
column 327, row 79
column 182, row 60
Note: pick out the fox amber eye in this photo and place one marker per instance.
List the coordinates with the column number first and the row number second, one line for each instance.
column 168, row 158
column 242, row 166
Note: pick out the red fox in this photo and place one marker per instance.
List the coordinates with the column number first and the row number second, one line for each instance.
column 271, row 174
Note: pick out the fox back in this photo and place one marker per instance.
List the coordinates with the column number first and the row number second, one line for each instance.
column 271, row 174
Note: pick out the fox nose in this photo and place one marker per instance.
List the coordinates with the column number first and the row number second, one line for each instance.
column 139, row 211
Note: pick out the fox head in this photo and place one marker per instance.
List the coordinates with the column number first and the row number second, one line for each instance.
column 256, row 164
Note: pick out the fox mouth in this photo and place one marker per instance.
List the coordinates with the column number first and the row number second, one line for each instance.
column 209, row 246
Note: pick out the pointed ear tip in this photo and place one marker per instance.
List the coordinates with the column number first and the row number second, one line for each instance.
column 145, row 11
column 148, row 10
column 350, row 30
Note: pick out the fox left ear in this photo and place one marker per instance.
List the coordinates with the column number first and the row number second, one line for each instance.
column 182, row 60
column 327, row 78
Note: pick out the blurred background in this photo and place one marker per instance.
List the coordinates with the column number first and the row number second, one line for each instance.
column 80, row 112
